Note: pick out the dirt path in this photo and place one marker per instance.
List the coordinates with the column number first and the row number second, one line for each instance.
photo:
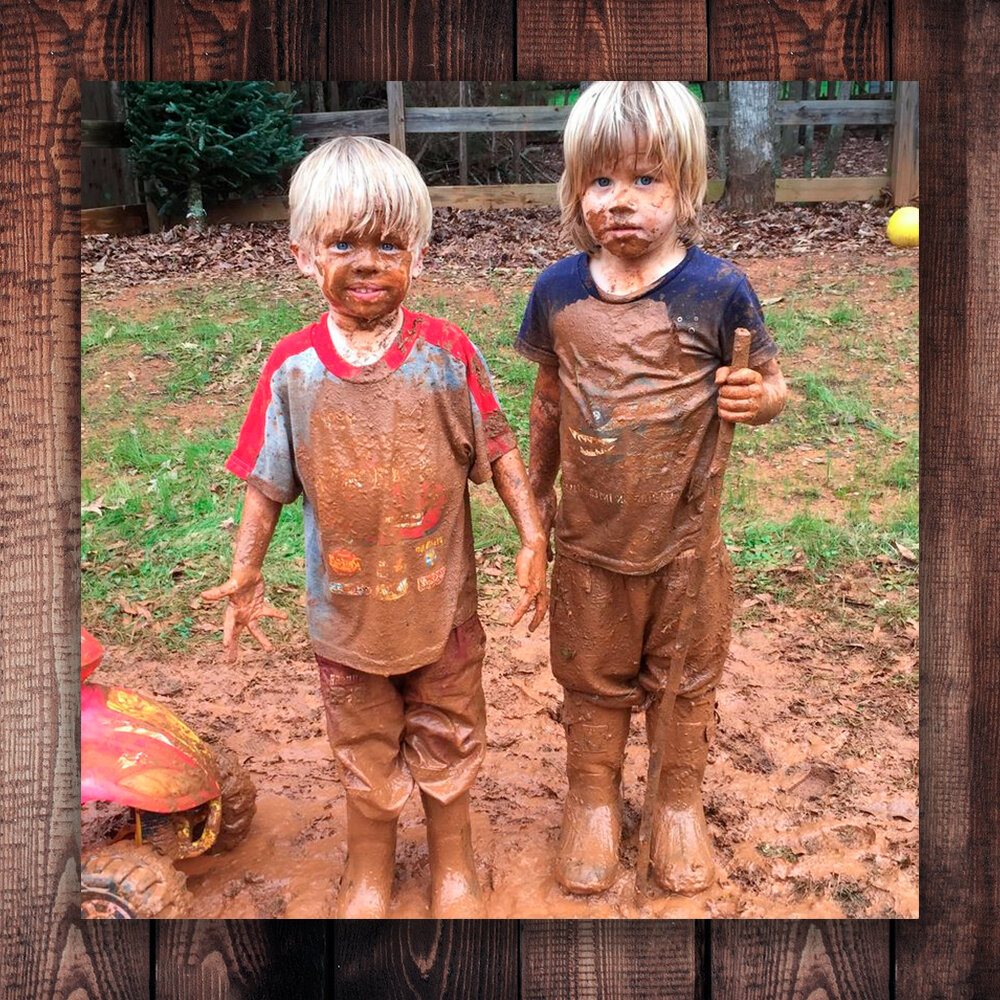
column 811, row 799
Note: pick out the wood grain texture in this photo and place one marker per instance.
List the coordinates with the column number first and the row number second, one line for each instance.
column 421, row 40
column 954, row 952
column 39, row 495
column 239, row 39
column 798, row 39
column 115, row 40
column 425, row 959
column 611, row 39
column 611, row 959
column 240, row 959
column 105, row 960
column 800, row 960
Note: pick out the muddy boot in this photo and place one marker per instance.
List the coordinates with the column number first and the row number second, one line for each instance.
column 455, row 891
column 591, row 827
column 371, row 858
column 680, row 845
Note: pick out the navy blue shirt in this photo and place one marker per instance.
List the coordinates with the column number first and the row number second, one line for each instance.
column 638, row 401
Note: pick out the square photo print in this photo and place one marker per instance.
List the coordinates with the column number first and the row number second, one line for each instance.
column 499, row 500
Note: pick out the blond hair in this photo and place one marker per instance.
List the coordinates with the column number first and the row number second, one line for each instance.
column 667, row 124
column 356, row 184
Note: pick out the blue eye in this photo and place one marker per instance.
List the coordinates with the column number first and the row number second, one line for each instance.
column 387, row 246
column 603, row 182
column 644, row 181
column 342, row 245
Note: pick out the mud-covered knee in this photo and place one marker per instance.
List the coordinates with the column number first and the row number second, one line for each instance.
column 383, row 803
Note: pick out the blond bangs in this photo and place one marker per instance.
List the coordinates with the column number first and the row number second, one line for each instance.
column 663, row 119
column 358, row 185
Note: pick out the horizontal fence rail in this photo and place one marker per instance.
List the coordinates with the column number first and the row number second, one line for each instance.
column 133, row 218
column 521, row 119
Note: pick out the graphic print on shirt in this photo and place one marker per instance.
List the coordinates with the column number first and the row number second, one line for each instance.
column 375, row 494
column 618, row 402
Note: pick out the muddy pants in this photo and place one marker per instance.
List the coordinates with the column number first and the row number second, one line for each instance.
column 427, row 726
column 612, row 634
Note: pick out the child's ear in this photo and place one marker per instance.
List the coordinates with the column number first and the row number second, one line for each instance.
column 307, row 264
column 417, row 263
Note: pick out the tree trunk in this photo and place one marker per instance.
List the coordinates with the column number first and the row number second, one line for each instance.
column 723, row 137
column 196, row 210
column 750, row 178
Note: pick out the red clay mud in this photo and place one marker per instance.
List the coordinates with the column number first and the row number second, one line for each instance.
column 811, row 807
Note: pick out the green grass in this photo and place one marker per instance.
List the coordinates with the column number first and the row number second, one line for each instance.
column 901, row 280
column 831, row 407
column 160, row 511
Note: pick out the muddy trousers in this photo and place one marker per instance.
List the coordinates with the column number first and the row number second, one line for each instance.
column 425, row 727
column 611, row 640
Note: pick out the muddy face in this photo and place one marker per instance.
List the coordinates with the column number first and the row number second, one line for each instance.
column 365, row 278
column 629, row 209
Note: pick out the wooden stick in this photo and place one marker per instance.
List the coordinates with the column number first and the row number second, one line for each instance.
column 663, row 700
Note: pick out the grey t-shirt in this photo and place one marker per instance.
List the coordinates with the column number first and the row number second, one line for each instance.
column 383, row 454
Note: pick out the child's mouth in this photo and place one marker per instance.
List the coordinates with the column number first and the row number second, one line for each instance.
column 367, row 293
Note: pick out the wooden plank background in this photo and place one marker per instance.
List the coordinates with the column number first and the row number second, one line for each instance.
column 952, row 952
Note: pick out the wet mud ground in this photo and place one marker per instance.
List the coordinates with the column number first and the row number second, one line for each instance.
column 813, row 813
column 811, row 788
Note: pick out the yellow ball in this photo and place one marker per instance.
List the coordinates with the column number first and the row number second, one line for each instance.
column 903, row 229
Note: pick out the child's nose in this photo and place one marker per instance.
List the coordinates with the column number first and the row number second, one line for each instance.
column 621, row 197
column 367, row 260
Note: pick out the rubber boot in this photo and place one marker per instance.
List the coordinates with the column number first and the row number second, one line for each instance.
column 680, row 845
column 366, row 886
column 591, row 827
column 455, row 891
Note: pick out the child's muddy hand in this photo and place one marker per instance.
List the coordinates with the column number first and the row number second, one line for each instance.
column 740, row 394
column 245, row 590
column 530, row 569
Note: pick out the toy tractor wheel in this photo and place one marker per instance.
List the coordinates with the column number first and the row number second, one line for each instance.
column 126, row 880
column 239, row 801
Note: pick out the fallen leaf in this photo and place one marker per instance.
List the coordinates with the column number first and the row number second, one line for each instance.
column 136, row 610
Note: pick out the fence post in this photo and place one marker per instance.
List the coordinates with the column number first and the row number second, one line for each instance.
column 463, row 142
column 903, row 165
column 397, row 116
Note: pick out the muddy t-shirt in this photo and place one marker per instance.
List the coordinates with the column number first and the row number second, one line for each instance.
column 382, row 455
column 638, row 401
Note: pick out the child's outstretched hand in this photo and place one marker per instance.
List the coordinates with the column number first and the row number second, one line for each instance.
column 245, row 590
column 530, row 570
column 740, row 394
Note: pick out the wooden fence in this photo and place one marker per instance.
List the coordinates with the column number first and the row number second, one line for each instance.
column 397, row 121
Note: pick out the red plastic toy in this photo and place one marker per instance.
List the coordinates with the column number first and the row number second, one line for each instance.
column 185, row 798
